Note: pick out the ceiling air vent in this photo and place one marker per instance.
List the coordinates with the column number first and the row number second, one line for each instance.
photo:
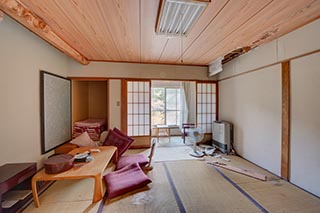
column 215, row 67
column 176, row 17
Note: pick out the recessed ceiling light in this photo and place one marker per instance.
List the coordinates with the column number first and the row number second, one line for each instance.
column 178, row 16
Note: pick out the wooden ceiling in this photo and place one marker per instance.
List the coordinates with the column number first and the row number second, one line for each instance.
column 124, row 30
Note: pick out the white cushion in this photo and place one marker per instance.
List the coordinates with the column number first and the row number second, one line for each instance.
column 83, row 140
column 103, row 136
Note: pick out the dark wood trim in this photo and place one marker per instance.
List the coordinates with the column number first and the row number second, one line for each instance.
column 75, row 78
column 285, row 130
column 206, row 81
column 123, row 105
column 217, row 101
column 108, row 104
column 196, row 112
column 150, row 113
column 138, row 62
column 42, row 112
column 89, row 78
column 269, row 65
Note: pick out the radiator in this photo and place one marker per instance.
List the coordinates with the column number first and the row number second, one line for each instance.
column 222, row 136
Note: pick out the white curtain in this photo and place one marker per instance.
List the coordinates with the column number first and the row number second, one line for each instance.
column 183, row 106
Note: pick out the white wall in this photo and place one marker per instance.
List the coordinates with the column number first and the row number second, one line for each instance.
column 252, row 101
column 115, row 103
column 22, row 55
column 256, row 115
column 305, row 123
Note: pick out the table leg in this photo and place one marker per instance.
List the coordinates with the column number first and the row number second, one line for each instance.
column 97, row 194
column 35, row 193
column 115, row 157
column 158, row 132
column 169, row 133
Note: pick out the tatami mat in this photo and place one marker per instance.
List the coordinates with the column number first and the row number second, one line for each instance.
column 67, row 196
column 275, row 194
column 157, row 197
column 202, row 189
column 199, row 187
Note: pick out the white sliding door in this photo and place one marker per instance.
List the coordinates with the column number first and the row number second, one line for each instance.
column 138, row 108
column 206, row 105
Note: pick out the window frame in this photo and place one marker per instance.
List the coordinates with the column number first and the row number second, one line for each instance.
column 165, row 110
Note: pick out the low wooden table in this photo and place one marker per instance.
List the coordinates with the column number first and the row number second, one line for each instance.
column 93, row 169
column 167, row 128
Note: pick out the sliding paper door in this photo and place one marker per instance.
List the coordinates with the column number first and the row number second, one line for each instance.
column 206, row 105
column 138, row 108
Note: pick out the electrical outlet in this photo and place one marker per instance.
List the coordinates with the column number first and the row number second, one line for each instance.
column 118, row 103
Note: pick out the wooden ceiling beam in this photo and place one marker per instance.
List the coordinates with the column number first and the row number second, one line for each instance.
column 1, row 15
column 37, row 25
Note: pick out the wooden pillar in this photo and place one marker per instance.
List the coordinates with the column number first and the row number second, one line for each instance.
column 285, row 130
column 217, row 100
column 108, row 103
column 124, row 117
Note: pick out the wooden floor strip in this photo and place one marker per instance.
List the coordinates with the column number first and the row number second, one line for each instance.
column 174, row 189
column 241, row 190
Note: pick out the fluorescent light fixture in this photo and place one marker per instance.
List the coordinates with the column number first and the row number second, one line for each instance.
column 178, row 16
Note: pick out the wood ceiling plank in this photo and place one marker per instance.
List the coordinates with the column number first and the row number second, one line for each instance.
column 79, row 23
column 122, row 17
column 212, row 10
column 151, row 44
column 233, row 16
column 173, row 49
column 277, row 19
column 120, row 30
column 48, row 12
column 37, row 25
column 89, row 21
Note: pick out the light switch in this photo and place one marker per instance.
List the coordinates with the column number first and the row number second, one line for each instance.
column 118, row 103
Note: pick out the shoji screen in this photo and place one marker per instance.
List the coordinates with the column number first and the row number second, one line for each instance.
column 138, row 108
column 206, row 105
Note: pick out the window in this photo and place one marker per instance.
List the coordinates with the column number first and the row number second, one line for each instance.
column 206, row 105
column 138, row 106
column 165, row 106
